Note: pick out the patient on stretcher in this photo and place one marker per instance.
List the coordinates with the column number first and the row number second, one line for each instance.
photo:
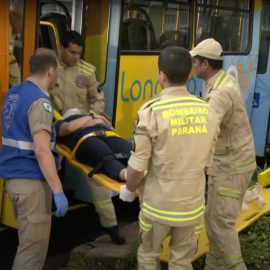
column 95, row 143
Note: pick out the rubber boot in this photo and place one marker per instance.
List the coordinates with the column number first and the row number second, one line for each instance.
column 115, row 235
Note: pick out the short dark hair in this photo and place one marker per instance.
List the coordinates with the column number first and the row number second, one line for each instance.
column 176, row 63
column 215, row 64
column 42, row 60
column 72, row 37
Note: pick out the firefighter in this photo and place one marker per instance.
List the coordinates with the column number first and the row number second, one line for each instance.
column 77, row 87
column 234, row 159
column 174, row 141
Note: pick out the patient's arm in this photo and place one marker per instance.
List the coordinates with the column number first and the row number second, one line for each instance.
column 66, row 128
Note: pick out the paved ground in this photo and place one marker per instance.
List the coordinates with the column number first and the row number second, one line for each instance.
column 77, row 227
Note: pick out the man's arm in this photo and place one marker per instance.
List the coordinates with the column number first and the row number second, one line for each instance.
column 221, row 102
column 144, row 134
column 40, row 119
column 46, row 160
column 134, row 178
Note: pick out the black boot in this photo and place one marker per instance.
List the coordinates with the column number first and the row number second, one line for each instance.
column 116, row 237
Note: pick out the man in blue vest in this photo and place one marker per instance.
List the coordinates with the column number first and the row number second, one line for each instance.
column 28, row 160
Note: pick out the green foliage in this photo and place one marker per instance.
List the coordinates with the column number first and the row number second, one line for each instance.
column 254, row 179
column 199, row 264
column 255, row 242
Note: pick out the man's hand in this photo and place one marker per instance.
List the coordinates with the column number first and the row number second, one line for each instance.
column 61, row 204
column 126, row 195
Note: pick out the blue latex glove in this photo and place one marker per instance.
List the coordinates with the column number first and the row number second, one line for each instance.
column 61, row 204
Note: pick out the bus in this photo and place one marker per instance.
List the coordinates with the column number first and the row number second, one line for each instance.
column 123, row 39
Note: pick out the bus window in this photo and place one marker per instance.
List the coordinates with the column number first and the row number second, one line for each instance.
column 227, row 21
column 265, row 38
column 153, row 25
column 16, row 14
column 55, row 20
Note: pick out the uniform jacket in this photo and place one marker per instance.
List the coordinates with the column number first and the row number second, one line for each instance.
column 77, row 87
column 174, row 141
column 235, row 147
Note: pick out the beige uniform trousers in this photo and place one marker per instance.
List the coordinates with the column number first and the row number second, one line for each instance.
column 31, row 200
column 183, row 245
column 103, row 203
column 225, row 197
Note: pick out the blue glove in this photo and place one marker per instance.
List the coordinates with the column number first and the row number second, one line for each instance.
column 61, row 204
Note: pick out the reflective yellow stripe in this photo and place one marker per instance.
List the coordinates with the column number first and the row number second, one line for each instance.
column 178, row 104
column 106, row 133
column 248, row 164
column 85, row 71
column 233, row 260
column 198, row 229
column 85, row 66
column 165, row 101
column 219, row 79
column 171, row 215
column 229, row 192
column 12, row 59
column 103, row 204
column 215, row 252
column 220, row 150
column 144, row 226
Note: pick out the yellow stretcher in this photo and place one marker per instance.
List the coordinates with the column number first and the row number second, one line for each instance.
column 100, row 178
column 246, row 218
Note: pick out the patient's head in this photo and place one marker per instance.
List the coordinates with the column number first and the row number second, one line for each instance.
column 70, row 112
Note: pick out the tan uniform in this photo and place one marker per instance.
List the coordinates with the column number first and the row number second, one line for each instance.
column 14, row 69
column 231, row 171
column 77, row 87
column 32, row 201
column 174, row 140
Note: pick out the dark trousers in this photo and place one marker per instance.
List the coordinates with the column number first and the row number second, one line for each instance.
column 93, row 150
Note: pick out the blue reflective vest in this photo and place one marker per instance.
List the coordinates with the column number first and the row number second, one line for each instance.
column 17, row 157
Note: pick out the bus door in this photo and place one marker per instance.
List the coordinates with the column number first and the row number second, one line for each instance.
column 261, row 101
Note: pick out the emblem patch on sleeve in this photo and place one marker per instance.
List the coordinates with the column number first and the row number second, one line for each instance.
column 81, row 81
column 47, row 107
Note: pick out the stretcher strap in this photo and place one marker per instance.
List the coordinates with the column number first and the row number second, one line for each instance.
column 99, row 133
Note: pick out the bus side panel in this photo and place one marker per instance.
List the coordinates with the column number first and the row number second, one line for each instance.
column 137, row 83
column 260, row 111
column 4, row 74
